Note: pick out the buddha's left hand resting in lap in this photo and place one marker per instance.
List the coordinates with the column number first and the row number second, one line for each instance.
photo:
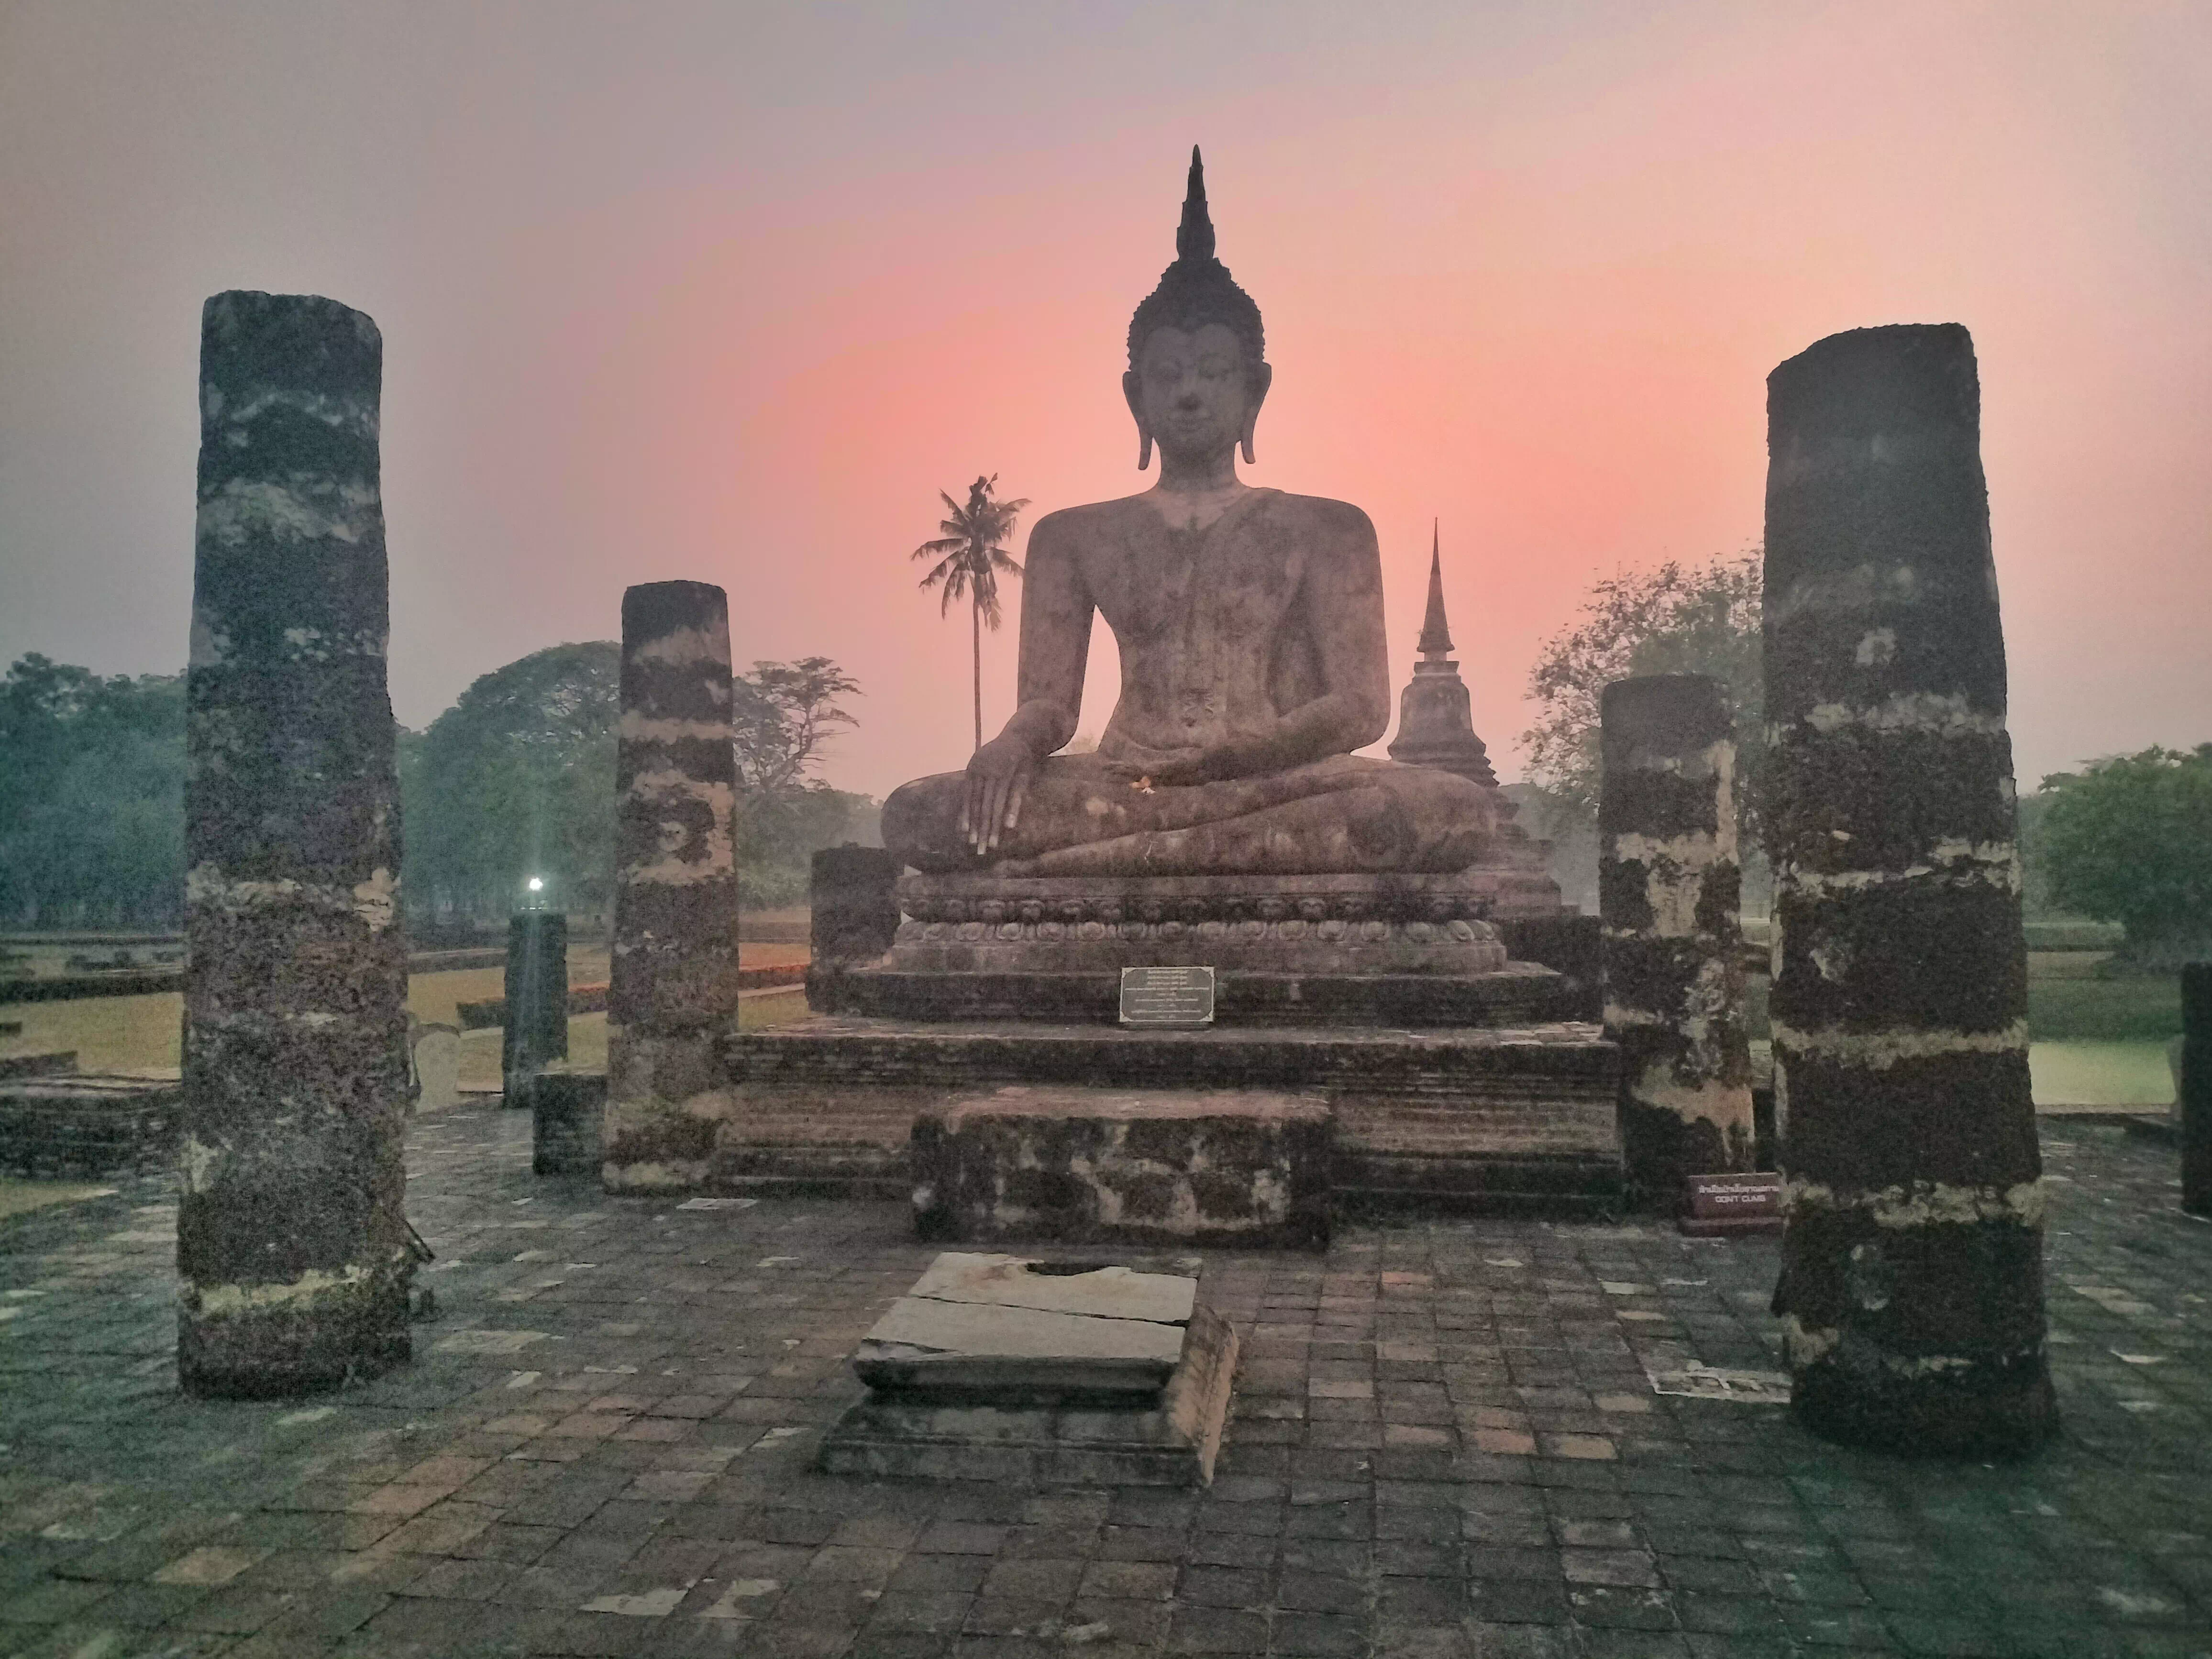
column 1253, row 661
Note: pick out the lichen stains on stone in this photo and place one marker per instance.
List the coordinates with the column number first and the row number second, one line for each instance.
column 294, row 512
column 707, row 646
column 311, row 1288
column 1944, row 714
column 1924, row 1203
column 1879, row 1051
column 634, row 727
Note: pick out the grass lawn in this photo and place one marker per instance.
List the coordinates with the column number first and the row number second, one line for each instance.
column 2066, row 1005
column 2066, row 1002
column 2101, row 1074
column 22, row 1197
column 131, row 1034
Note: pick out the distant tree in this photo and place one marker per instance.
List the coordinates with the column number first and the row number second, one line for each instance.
column 969, row 558
column 1676, row 619
column 2129, row 839
column 516, row 779
column 783, row 714
column 92, row 778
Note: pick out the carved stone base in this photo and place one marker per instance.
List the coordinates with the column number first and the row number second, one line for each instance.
column 1519, row 994
column 1345, row 925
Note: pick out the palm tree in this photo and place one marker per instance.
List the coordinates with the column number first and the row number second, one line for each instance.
column 970, row 556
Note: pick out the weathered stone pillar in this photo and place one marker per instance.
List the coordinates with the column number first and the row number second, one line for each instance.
column 535, row 1031
column 2194, row 1092
column 675, row 981
column 1668, row 886
column 1912, row 1264
column 291, row 1232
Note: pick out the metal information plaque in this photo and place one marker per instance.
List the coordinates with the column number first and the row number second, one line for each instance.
column 1167, row 996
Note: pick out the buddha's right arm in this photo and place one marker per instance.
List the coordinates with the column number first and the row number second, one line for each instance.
column 1056, row 612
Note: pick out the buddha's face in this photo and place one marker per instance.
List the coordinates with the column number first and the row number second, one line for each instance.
column 1194, row 394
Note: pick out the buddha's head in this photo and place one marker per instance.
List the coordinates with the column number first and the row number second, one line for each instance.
column 1198, row 371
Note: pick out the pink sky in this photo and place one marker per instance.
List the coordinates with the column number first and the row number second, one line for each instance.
column 730, row 293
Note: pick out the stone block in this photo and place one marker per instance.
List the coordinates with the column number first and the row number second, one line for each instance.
column 75, row 1127
column 565, row 1107
column 1231, row 1166
column 436, row 1056
column 1035, row 1374
column 1110, row 1292
column 853, row 908
column 923, row 1345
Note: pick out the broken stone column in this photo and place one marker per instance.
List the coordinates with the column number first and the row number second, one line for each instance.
column 292, row 1238
column 535, row 1032
column 852, row 897
column 1911, row 1282
column 674, row 985
column 1668, row 887
column 2193, row 1088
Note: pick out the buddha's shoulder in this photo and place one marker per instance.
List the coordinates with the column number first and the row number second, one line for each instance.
column 1311, row 514
column 1318, row 513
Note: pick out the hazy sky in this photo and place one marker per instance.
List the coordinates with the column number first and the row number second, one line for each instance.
column 730, row 291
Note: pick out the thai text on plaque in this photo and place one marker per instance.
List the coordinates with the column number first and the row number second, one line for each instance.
column 1167, row 996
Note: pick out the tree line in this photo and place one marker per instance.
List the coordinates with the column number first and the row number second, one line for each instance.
column 2126, row 839
column 515, row 780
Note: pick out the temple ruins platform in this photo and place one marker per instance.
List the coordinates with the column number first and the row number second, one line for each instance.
column 1363, row 950
column 1507, row 1121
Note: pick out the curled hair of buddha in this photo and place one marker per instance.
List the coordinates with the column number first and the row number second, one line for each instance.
column 1197, row 289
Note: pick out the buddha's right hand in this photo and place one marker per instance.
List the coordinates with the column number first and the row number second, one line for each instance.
column 997, row 777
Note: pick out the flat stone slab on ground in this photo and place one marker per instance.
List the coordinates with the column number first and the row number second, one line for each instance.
column 1167, row 1436
column 1244, row 1165
column 978, row 1348
column 1109, row 1291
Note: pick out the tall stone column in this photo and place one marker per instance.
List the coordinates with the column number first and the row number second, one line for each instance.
column 674, row 985
column 1669, row 888
column 292, row 1238
column 1911, row 1280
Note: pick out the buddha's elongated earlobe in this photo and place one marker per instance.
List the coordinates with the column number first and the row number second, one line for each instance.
column 1262, row 378
column 1132, row 393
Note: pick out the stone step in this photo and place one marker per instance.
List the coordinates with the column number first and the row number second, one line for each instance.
column 1460, row 1066
column 1508, row 1120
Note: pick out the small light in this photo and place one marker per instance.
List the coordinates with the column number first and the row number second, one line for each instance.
column 537, row 884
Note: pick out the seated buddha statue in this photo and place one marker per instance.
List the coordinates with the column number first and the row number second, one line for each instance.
column 1253, row 663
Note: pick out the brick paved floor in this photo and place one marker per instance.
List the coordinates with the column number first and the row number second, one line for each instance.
column 1445, row 1443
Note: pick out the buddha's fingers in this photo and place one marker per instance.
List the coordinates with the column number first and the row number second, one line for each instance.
column 1021, row 790
column 986, row 822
